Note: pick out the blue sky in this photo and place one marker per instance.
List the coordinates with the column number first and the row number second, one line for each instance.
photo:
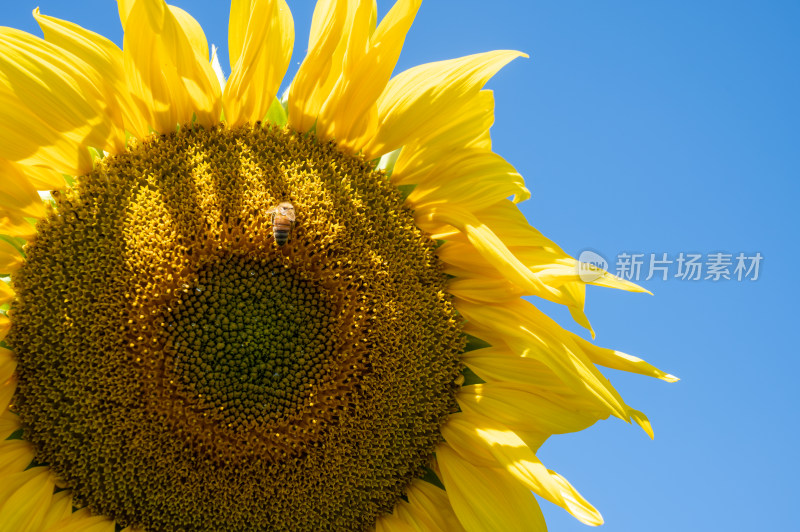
column 643, row 127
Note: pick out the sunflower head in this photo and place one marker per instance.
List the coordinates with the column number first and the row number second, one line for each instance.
column 237, row 313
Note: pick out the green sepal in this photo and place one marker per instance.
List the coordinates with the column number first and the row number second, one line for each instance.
column 387, row 161
column 473, row 343
column 17, row 242
column 470, row 377
column 431, row 478
column 277, row 113
column 406, row 190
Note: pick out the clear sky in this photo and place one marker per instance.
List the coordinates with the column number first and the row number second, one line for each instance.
column 643, row 128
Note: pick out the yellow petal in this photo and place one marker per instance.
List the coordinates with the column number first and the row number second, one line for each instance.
column 520, row 408
column 482, row 289
column 124, row 7
column 491, row 249
column 18, row 200
column 512, row 454
column 50, row 109
column 15, row 456
column 6, row 292
column 263, row 31
column 9, row 424
column 494, row 289
column 322, row 66
column 8, row 381
column 5, row 326
column 640, row 419
column 104, row 65
column 193, row 30
column 429, row 508
column 420, row 100
column 527, row 331
column 476, row 180
column 60, row 508
column 40, row 177
column 83, row 521
column 459, row 432
column 350, row 113
column 486, row 499
column 621, row 361
column 435, row 161
column 499, row 364
column 392, row 523
column 7, row 364
column 10, row 259
column 24, row 500
column 7, row 389
column 538, row 252
column 460, row 129
column 169, row 78
column 502, row 365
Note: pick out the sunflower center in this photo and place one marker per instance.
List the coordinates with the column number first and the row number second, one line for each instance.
column 251, row 338
column 181, row 368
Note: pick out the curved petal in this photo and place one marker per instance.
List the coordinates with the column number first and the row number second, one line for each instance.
column 60, row 508
column 522, row 408
column 350, row 113
column 322, row 66
column 529, row 332
column 513, row 455
column 193, row 30
column 6, row 292
column 481, row 289
column 83, row 521
column 169, row 78
column 7, row 389
column 7, row 364
column 486, row 499
column 40, row 177
column 392, row 523
column 9, row 424
column 491, row 248
column 15, row 456
column 8, row 382
column 263, row 32
column 510, row 225
column 19, row 201
column 499, row 364
column 124, row 7
column 428, row 508
column 462, row 127
column 24, row 500
column 10, row 259
column 51, row 111
column 104, row 64
column 419, row 100
column 5, row 326
column 477, row 179
column 621, row 361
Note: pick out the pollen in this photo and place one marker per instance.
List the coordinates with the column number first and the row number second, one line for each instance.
column 179, row 369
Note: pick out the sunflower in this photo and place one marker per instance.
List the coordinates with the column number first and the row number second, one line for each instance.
column 227, row 310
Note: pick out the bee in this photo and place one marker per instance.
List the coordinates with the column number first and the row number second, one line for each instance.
column 283, row 218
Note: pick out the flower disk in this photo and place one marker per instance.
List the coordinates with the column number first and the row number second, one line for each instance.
column 179, row 370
